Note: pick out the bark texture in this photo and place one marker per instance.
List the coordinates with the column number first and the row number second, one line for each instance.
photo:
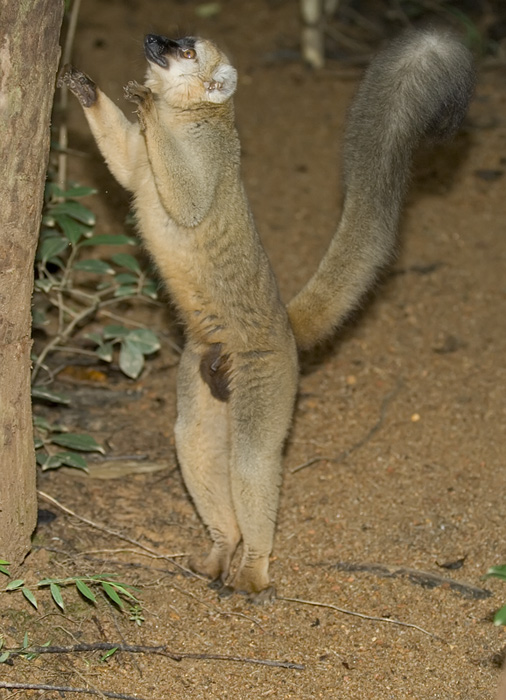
column 29, row 53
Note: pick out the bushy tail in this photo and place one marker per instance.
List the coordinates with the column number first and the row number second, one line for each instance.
column 418, row 86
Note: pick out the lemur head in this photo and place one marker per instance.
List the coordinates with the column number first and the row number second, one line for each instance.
column 188, row 71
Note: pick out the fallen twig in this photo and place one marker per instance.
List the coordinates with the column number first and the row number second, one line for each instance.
column 357, row 445
column 425, row 579
column 66, row 689
column 119, row 535
column 159, row 650
column 373, row 618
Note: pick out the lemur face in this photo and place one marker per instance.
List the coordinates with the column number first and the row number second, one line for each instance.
column 188, row 70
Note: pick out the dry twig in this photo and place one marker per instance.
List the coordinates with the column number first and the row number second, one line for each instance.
column 66, row 689
column 119, row 535
column 159, row 650
column 357, row 445
column 344, row 611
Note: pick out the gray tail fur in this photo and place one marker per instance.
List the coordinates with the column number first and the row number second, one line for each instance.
column 419, row 86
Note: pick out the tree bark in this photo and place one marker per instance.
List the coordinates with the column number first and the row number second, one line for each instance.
column 29, row 54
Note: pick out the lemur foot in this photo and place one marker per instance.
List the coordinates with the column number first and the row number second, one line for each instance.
column 142, row 96
column 81, row 85
column 135, row 92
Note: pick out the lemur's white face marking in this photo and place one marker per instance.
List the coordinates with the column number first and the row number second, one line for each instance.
column 187, row 71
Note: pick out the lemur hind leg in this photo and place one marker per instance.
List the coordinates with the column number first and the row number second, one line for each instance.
column 261, row 408
column 203, row 449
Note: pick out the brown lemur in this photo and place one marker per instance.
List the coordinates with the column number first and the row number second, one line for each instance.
column 237, row 378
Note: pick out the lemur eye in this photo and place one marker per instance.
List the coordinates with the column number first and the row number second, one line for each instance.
column 188, row 53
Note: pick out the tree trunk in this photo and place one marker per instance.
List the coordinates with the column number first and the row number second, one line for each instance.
column 29, row 53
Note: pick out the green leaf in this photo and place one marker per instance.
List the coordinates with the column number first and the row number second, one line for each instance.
column 123, row 589
column 73, row 230
column 131, row 359
column 70, row 459
column 44, row 285
column 50, row 248
column 107, row 239
column 126, row 278
column 95, row 337
column 108, row 653
column 38, row 443
column 25, row 641
column 105, row 351
column 76, row 441
column 74, row 209
column 99, row 267
column 497, row 572
column 125, row 290
column 42, row 423
column 57, row 261
column 150, row 289
column 30, row 598
column 46, row 581
column 103, row 284
column 85, row 590
column 101, row 577
column 136, row 615
column 112, row 594
column 39, row 318
column 78, row 191
column 40, row 392
column 56, row 594
column 14, row 585
column 48, row 461
column 145, row 340
column 4, row 657
column 48, row 220
column 128, row 261
column 500, row 616
column 3, row 565
column 112, row 331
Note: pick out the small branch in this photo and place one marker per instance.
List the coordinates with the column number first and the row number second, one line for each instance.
column 63, row 102
column 64, row 335
column 344, row 611
column 357, row 445
column 158, row 650
column 97, row 306
column 426, row 579
column 119, row 535
column 66, row 689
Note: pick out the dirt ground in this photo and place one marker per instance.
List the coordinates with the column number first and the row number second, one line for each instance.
column 394, row 482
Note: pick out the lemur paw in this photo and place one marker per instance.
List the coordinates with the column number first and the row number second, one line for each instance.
column 135, row 92
column 142, row 96
column 81, row 85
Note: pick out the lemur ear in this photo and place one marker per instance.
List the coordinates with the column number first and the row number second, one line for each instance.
column 223, row 84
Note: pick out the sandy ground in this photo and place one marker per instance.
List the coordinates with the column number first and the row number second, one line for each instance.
column 400, row 422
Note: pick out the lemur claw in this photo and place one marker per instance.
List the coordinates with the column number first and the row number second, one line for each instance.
column 81, row 85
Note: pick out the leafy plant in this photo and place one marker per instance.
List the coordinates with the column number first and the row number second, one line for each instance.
column 48, row 436
column 113, row 590
column 64, row 302
column 135, row 615
column 23, row 650
column 71, row 288
column 134, row 346
column 498, row 572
